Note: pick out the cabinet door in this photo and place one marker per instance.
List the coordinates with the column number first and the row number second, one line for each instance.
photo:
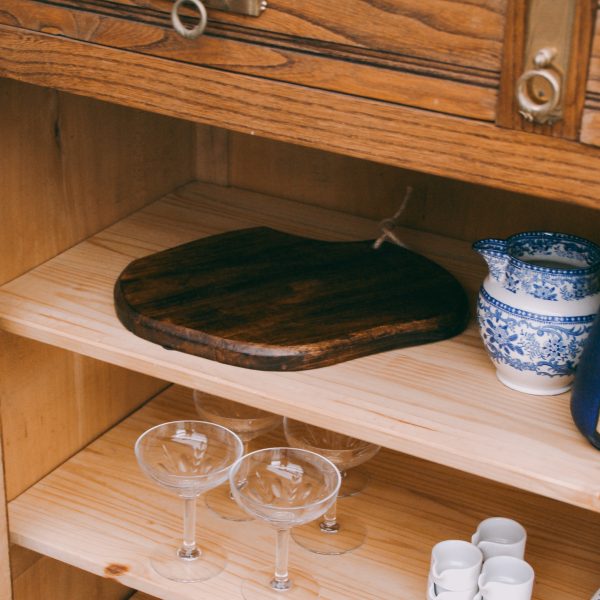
column 400, row 82
column 439, row 55
column 546, row 57
column 590, row 126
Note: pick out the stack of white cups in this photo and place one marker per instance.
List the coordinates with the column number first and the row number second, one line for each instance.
column 491, row 567
column 455, row 568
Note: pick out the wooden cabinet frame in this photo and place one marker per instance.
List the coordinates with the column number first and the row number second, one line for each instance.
column 116, row 125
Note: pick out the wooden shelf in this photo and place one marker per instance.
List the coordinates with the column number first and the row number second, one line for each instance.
column 98, row 512
column 440, row 402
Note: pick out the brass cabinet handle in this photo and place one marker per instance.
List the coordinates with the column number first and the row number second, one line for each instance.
column 533, row 109
column 180, row 28
column 529, row 108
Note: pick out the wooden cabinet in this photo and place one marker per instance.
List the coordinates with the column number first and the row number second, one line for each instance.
column 341, row 79
column 313, row 119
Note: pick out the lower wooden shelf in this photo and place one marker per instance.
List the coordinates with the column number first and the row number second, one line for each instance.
column 99, row 513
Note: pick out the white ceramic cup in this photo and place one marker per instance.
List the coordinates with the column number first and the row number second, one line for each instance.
column 437, row 593
column 498, row 536
column 455, row 565
column 596, row 596
column 506, row 578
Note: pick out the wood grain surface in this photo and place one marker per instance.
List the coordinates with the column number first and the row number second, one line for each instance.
column 397, row 135
column 100, row 513
column 590, row 131
column 334, row 181
column 212, row 154
column 593, row 88
column 438, row 401
column 456, row 33
column 21, row 560
column 49, row 578
column 5, row 566
column 438, row 205
column 94, row 163
column 69, row 166
column 69, row 402
column 374, row 69
column 263, row 299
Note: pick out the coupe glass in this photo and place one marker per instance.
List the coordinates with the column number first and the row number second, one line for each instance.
column 248, row 423
column 337, row 533
column 285, row 487
column 188, row 458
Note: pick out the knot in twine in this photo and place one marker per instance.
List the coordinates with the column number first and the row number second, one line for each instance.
column 387, row 226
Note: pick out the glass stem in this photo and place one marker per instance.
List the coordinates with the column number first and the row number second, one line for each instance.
column 281, row 580
column 189, row 550
column 244, row 452
column 329, row 523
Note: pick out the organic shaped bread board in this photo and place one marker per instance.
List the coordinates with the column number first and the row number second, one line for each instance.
column 262, row 299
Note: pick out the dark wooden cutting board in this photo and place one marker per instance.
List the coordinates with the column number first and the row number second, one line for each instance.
column 263, row 299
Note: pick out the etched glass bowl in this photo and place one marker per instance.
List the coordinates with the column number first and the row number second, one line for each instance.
column 248, row 423
column 285, row 487
column 338, row 532
column 188, row 458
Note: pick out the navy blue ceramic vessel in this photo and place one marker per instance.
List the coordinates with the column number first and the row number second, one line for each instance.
column 585, row 399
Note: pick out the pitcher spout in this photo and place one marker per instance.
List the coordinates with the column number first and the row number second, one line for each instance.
column 494, row 252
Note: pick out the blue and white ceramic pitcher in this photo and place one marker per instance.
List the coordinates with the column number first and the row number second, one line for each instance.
column 536, row 307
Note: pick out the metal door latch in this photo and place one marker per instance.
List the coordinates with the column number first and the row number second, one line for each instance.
column 540, row 89
column 253, row 8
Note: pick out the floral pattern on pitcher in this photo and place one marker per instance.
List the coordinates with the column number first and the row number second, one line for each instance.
column 550, row 284
column 497, row 265
column 548, row 346
column 545, row 266
column 561, row 246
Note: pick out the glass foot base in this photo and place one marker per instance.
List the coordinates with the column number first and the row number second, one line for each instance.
column 350, row 536
column 223, row 505
column 353, row 482
column 166, row 562
column 258, row 587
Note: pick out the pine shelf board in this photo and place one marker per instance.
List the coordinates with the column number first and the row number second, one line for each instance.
column 99, row 513
column 440, row 402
